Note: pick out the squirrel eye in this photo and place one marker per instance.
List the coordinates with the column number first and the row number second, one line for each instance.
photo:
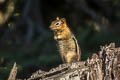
column 57, row 24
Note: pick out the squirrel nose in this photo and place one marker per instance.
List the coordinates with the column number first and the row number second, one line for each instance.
column 51, row 27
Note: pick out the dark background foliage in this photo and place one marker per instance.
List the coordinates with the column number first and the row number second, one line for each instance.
column 25, row 38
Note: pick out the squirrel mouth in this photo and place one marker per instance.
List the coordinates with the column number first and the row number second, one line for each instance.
column 52, row 28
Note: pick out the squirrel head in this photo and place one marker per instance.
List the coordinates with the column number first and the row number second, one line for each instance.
column 58, row 24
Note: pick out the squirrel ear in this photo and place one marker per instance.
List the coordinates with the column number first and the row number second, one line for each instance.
column 57, row 18
column 63, row 20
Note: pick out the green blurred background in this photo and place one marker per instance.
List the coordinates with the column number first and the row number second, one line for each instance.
column 25, row 37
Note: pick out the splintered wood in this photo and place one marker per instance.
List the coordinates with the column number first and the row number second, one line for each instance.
column 104, row 66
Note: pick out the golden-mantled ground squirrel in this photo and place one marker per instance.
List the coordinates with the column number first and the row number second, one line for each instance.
column 66, row 41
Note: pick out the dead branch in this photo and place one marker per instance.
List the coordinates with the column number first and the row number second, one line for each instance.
column 13, row 73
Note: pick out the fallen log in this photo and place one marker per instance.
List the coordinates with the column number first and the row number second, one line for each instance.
column 104, row 66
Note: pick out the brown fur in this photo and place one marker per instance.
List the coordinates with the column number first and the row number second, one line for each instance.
column 67, row 43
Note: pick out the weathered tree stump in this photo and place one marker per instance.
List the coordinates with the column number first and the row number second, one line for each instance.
column 104, row 66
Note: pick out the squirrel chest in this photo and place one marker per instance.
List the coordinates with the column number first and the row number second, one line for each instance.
column 67, row 49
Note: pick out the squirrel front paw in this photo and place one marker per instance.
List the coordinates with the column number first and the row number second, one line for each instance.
column 57, row 37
